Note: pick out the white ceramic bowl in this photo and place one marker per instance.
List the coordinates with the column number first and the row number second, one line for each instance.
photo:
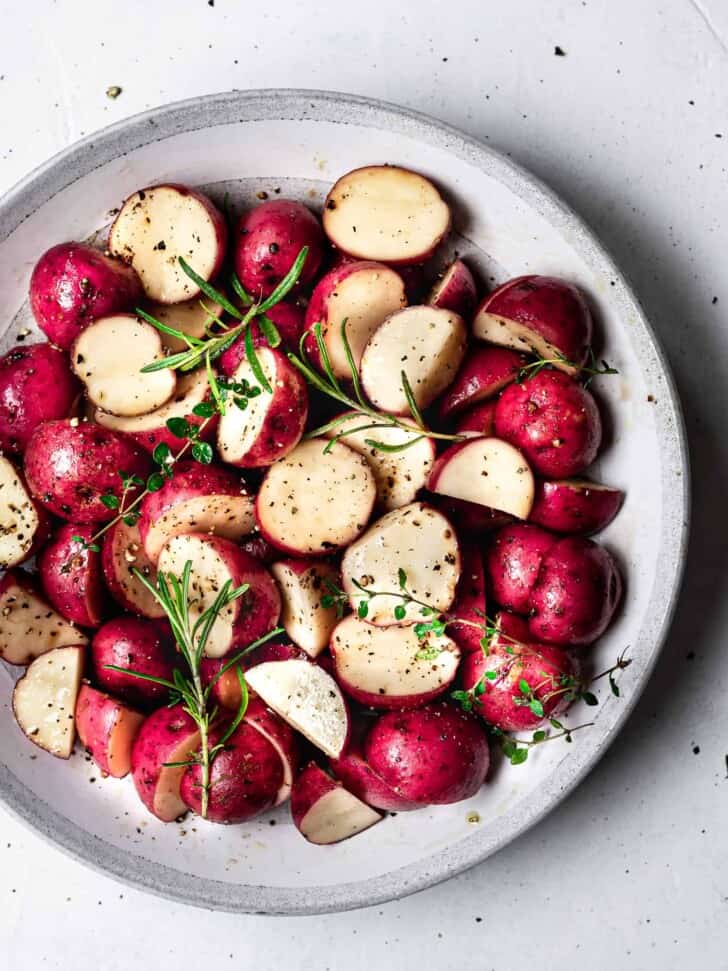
column 300, row 142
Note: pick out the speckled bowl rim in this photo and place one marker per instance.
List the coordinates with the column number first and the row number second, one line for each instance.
column 75, row 163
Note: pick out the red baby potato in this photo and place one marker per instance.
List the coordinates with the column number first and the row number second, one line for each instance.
column 134, row 645
column 269, row 238
column 513, row 562
column 362, row 293
column 36, row 385
column 324, row 812
column 273, row 421
column 29, row 626
column 70, row 465
column 391, row 667
column 73, row 284
column 215, row 561
column 469, row 603
column 359, row 777
column 312, row 502
column 106, row 728
column 72, row 576
column 432, row 755
column 245, row 777
column 44, row 700
column 483, row 374
column 518, row 686
column 168, row 735
column 122, row 553
column 553, row 420
column 575, row 505
column 426, row 343
column 24, row 523
column 387, row 213
column 577, row 591
column 541, row 315
column 157, row 225
column 478, row 420
column 455, row 290
column 197, row 499
column 488, row 472
column 150, row 430
column 283, row 739
column 289, row 319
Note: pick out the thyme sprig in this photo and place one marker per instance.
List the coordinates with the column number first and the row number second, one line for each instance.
column 328, row 384
column 172, row 593
column 533, row 696
column 591, row 368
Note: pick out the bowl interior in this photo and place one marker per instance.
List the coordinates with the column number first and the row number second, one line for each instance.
column 296, row 145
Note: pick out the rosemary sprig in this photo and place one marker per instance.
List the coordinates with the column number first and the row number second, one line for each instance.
column 327, row 383
column 172, row 593
column 591, row 367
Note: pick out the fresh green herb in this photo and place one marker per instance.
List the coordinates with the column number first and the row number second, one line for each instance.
column 172, row 593
column 329, row 385
column 591, row 368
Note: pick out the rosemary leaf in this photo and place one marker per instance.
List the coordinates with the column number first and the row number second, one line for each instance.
column 210, row 291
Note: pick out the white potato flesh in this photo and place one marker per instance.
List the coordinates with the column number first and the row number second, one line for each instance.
column 392, row 662
column 44, row 700
column 239, row 430
column 108, row 356
column 208, row 575
column 511, row 333
column 29, row 627
column 302, row 585
column 416, row 539
column 305, row 696
column 427, row 343
column 154, row 228
column 336, row 816
column 231, row 517
column 190, row 391
column 490, row 472
column 312, row 501
column 18, row 516
column 382, row 212
column 363, row 299
column 399, row 475
column 128, row 555
column 190, row 317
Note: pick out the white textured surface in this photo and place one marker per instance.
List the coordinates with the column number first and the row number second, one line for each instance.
column 633, row 870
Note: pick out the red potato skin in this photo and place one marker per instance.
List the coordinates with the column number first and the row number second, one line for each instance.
column 191, row 480
column 433, row 756
column 149, row 439
column 577, row 592
column 68, row 467
column 259, row 547
column 226, row 690
column 553, row 308
column 455, row 290
column 478, row 420
column 484, row 373
column 510, row 627
column 469, row 603
column 553, row 420
column 289, row 318
column 262, row 719
column 139, row 645
column 73, row 284
column 542, row 666
column 513, row 562
column 98, row 718
column 310, row 786
column 156, row 741
column 285, row 419
column 72, row 577
column 36, row 385
column 360, row 779
column 244, row 778
column 574, row 507
column 470, row 517
column 269, row 238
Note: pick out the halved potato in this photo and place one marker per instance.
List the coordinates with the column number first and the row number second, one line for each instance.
column 44, row 700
